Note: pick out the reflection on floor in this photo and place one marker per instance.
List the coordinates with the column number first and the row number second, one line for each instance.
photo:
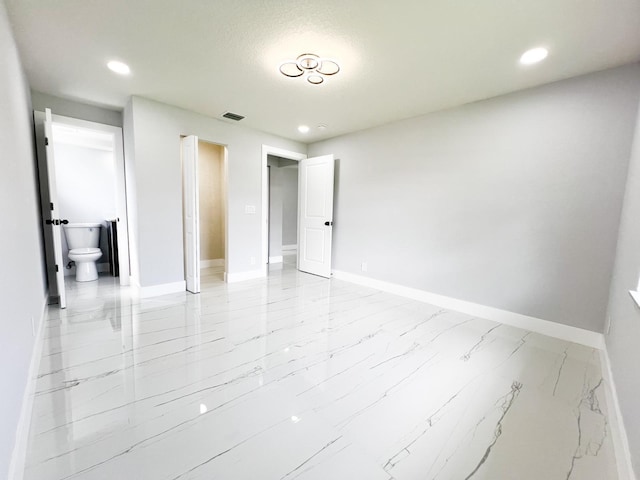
column 300, row 377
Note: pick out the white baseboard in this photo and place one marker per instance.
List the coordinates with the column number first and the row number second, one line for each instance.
column 216, row 262
column 242, row 276
column 616, row 423
column 277, row 259
column 19, row 456
column 287, row 248
column 163, row 289
column 545, row 327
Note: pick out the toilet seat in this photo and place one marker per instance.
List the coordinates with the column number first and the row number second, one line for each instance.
column 84, row 251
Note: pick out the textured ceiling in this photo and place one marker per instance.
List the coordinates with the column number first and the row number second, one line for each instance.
column 399, row 59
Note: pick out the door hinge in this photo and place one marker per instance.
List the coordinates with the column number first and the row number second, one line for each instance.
column 46, row 142
column 51, row 205
column 57, row 269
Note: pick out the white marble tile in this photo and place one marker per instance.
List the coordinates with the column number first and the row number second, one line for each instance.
column 299, row 377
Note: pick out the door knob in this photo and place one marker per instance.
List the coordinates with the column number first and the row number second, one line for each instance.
column 328, row 223
column 55, row 221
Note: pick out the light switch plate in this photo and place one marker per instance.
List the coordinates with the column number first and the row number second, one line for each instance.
column 250, row 209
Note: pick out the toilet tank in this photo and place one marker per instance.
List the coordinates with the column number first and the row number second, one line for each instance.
column 82, row 235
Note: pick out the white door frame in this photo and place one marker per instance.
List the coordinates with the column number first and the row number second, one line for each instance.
column 278, row 152
column 191, row 212
column 121, row 189
column 54, row 207
column 225, row 200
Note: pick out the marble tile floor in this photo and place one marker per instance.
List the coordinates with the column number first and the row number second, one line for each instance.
column 300, row 377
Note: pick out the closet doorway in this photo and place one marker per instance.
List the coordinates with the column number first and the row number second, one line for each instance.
column 204, row 211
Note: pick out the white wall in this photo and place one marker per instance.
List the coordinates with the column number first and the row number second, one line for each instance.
column 132, row 191
column 152, row 147
column 70, row 108
column 22, row 283
column 86, row 183
column 623, row 341
column 512, row 202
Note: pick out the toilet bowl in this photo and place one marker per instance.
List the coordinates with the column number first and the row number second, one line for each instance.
column 83, row 240
column 85, row 258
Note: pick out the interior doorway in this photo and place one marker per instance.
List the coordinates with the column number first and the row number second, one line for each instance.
column 204, row 211
column 314, row 210
column 82, row 190
column 272, row 251
column 283, row 210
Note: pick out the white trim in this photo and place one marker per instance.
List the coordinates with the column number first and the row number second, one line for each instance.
column 162, row 289
column 276, row 259
column 242, row 276
column 616, row 423
column 636, row 296
column 290, row 248
column 279, row 152
column 214, row 262
column 19, row 455
column 544, row 327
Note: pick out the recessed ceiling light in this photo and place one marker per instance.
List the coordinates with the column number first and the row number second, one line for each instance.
column 119, row 67
column 303, row 129
column 534, row 55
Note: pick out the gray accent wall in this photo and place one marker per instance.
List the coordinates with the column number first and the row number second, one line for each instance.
column 289, row 204
column 283, row 204
column 623, row 339
column 22, row 283
column 275, row 207
column 152, row 149
column 512, row 202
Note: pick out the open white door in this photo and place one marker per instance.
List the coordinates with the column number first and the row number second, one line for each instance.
column 54, row 221
column 315, row 225
column 191, row 212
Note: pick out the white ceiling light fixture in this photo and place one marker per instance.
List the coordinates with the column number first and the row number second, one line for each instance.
column 534, row 55
column 303, row 129
column 311, row 66
column 119, row 67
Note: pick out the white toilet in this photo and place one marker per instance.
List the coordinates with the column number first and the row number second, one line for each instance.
column 83, row 240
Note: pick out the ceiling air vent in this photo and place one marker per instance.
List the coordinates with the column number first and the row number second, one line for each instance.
column 232, row 116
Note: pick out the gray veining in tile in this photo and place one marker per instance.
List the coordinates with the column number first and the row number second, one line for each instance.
column 299, row 377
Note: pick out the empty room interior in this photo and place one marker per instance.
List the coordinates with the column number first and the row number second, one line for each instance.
column 320, row 240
